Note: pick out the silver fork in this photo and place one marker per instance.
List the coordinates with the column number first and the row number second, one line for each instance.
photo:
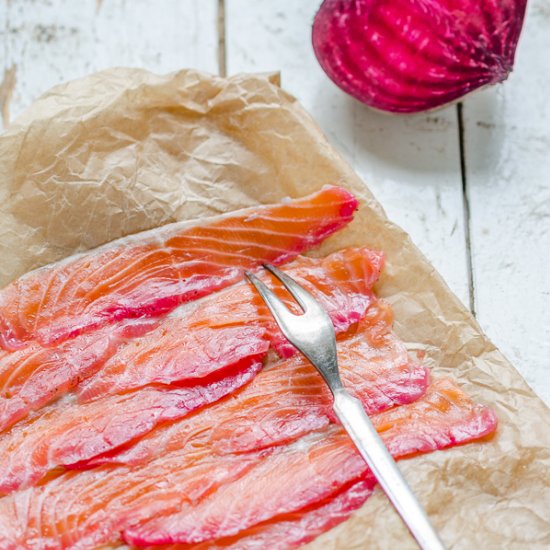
column 313, row 334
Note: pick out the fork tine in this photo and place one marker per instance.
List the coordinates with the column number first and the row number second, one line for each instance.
column 277, row 308
column 312, row 333
column 300, row 294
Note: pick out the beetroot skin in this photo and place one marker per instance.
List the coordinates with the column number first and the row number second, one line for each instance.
column 406, row 56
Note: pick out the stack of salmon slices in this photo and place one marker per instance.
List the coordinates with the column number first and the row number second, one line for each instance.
column 148, row 398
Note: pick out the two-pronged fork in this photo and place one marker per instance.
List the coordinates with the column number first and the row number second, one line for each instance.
column 313, row 334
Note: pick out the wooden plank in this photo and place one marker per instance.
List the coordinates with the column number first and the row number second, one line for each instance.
column 46, row 42
column 507, row 144
column 412, row 164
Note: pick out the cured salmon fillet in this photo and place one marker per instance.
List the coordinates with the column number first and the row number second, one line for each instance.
column 293, row 529
column 153, row 272
column 163, row 375
column 36, row 375
column 290, row 399
column 191, row 344
column 294, row 478
column 67, row 435
column 191, row 496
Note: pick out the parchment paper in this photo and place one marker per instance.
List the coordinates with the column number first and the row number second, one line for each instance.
column 125, row 150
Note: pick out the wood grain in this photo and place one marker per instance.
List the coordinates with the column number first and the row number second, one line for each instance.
column 507, row 146
column 51, row 41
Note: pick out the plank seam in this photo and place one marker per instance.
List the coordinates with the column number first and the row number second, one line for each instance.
column 222, row 53
column 466, row 207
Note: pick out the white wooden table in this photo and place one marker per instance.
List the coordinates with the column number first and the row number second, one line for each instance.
column 470, row 183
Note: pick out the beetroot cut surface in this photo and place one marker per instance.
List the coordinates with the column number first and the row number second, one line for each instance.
column 407, row 56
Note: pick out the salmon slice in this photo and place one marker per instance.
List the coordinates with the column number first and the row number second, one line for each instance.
column 296, row 477
column 84, row 525
column 153, row 272
column 193, row 495
column 188, row 346
column 70, row 433
column 34, row 376
column 292, row 479
column 290, row 530
column 290, row 399
column 294, row 529
column 195, row 345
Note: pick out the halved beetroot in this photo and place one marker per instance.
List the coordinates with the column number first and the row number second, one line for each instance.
column 406, row 56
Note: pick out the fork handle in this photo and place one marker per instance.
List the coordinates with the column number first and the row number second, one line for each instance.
column 359, row 426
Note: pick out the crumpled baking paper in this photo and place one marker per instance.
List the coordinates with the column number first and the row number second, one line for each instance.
column 125, row 150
